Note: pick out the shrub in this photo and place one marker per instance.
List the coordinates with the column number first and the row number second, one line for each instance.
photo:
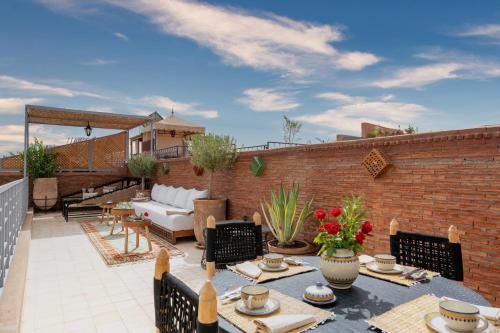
column 142, row 166
column 41, row 160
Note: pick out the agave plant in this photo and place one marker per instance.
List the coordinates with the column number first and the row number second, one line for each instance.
column 282, row 217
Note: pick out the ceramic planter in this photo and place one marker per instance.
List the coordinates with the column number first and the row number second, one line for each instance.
column 203, row 208
column 45, row 192
column 341, row 269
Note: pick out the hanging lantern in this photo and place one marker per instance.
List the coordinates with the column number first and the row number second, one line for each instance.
column 88, row 129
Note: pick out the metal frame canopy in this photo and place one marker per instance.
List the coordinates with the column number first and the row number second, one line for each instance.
column 46, row 115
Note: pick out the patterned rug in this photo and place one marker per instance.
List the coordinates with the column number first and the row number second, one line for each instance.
column 111, row 248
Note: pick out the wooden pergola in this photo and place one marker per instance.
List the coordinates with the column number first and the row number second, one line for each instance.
column 46, row 115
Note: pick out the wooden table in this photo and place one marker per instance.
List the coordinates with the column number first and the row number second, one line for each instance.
column 120, row 213
column 106, row 210
column 137, row 225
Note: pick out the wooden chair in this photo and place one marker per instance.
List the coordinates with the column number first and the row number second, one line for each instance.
column 178, row 309
column 434, row 253
column 232, row 242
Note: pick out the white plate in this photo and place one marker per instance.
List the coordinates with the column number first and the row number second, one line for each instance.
column 282, row 267
column 310, row 301
column 271, row 306
column 437, row 323
column 374, row 268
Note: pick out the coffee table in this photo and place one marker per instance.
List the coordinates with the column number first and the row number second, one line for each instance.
column 120, row 213
column 106, row 210
column 137, row 225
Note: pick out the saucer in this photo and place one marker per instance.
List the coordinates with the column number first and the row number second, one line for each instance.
column 271, row 306
column 374, row 268
column 282, row 267
column 437, row 323
column 333, row 300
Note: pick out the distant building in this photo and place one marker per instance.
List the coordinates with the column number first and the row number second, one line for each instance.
column 370, row 130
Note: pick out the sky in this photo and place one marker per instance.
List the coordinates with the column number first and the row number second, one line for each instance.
column 237, row 67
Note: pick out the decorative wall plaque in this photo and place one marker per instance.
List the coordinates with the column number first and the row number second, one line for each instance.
column 376, row 162
column 257, row 166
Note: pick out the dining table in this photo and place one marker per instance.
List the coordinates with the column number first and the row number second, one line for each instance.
column 367, row 297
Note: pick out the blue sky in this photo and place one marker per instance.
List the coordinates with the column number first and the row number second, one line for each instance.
column 238, row 66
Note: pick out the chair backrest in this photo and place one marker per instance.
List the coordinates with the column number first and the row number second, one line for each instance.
column 177, row 307
column 434, row 253
column 233, row 242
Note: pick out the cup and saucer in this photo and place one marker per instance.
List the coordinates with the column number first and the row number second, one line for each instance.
column 457, row 317
column 384, row 264
column 255, row 301
column 273, row 262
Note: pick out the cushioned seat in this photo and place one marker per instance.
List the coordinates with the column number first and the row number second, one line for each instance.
column 158, row 214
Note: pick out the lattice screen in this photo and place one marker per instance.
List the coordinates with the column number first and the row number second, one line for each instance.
column 109, row 151
column 72, row 156
column 376, row 163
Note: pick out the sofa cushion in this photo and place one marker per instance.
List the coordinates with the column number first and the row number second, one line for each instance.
column 158, row 215
column 162, row 192
column 154, row 192
column 181, row 197
column 194, row 194
column 172, row 193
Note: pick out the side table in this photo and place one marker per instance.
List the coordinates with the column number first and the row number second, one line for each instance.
column 119, row 213
column 137, row 225
column 106, row 210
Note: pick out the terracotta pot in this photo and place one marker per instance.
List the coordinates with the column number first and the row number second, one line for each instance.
column 341, row 269
column 303, row 248
column 203, row 208
column 45, row 193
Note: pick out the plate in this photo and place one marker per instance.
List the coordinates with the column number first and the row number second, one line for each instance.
column 282, row 267
column 437, row 323
column 374, row 268
column 271, row 306
column 333, row 300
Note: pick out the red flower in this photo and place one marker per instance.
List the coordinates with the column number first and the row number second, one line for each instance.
column 336, row 211
column 366, row 227
column 146, row 214
column 332, row 228
column 360, row 237
column 320, row 214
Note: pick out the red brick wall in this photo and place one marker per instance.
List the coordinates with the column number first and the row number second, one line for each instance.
column 436, row 179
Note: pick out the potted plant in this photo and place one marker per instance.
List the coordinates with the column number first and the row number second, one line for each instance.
column 42, row 168
column 341, row 236
column 212, row 153
column 142, row 166
column 285, row 222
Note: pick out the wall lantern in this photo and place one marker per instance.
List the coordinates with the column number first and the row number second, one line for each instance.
column 88, row 129
column 172, row 133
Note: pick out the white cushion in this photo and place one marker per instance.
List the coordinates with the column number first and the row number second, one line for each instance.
column 195, row 195
column 172, row 193
column 154, row 192
column 158, row 215
column 181, row 197
column 162, row 194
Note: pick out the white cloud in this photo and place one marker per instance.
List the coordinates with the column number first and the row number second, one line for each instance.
column 339, row 97
column 388, row 97
column 267, row 100
column 416, row 77
column 121, row 36
column 490, row 31
column 10, row 82
column 262, row 41
column 167, row 104
column 98, row 62
column 12, row 105
column 348, row 117
column 12, row 137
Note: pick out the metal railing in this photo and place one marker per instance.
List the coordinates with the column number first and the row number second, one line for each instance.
column 171, row 152
column 271, row 145
column 13, row 208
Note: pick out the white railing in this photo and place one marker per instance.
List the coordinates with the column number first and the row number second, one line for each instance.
column 13, row 208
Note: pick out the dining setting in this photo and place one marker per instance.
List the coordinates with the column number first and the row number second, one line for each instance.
column 414, row 287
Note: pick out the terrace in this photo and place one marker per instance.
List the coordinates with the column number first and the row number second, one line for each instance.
column 77, row 275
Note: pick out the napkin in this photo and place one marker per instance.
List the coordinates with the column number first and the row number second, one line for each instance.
column 490, row 313
column 249, row 269
column 365, row 259
column 282, row 323
column 293, row 261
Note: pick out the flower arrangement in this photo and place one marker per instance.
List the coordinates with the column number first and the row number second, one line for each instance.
column 345, row 229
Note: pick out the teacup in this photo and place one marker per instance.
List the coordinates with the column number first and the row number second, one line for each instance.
column 385, row 262
column 254, row 296
column 461, row 316
column 273, row 260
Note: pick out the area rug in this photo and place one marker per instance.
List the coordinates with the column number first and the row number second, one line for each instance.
column 111, row 247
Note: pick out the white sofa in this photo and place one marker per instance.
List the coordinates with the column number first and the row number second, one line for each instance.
column 171, row 210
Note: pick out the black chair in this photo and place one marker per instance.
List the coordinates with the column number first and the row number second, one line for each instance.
column 178, row 309
column 434, row 253
column 228, row 243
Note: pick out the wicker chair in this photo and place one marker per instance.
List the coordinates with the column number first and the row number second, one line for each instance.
column 434, row 253
column 231, row 242
column 178, row 309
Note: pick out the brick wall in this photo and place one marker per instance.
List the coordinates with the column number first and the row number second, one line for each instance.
column 436, row 179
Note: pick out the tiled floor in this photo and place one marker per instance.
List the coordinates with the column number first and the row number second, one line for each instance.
column 70, row 289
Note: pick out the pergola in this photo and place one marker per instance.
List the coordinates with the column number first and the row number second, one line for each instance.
column 35, row 114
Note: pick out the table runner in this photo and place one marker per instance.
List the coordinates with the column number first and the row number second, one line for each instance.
column 288, row 305
column 399, row 279
column 267, row 276
column 407, row 317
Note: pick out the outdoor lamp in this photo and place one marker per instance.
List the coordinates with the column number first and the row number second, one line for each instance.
column 172, row 133
column 88, row 129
